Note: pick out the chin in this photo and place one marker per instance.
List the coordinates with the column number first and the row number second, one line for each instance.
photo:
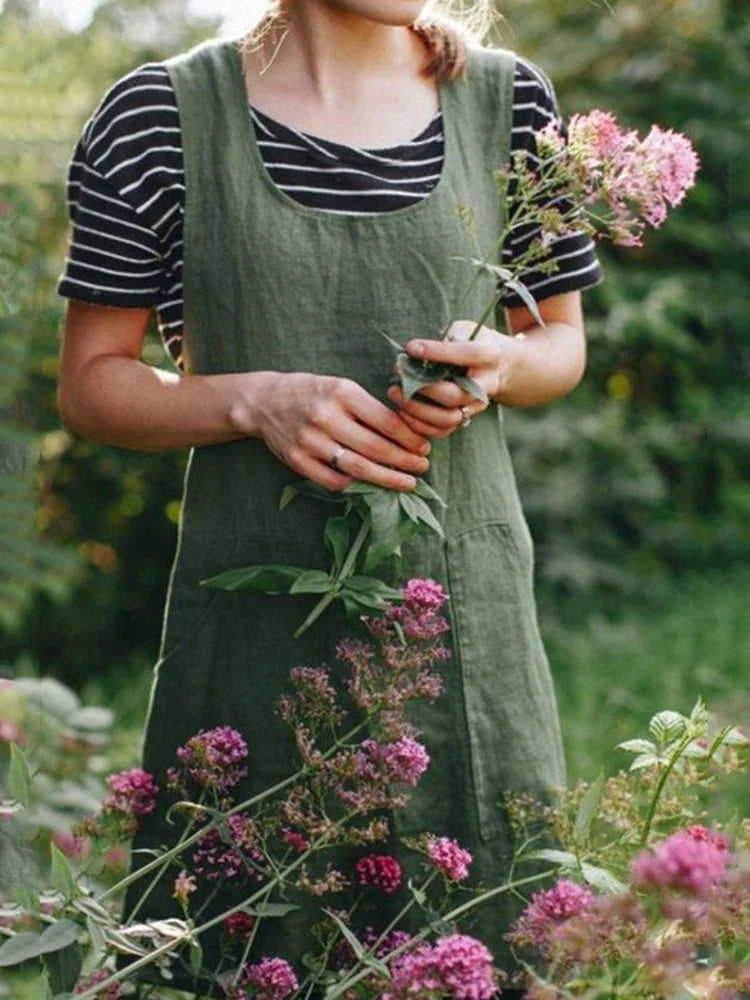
column 397, row 13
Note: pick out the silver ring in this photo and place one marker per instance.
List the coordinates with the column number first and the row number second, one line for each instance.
column 336, row 458
column 465, row 416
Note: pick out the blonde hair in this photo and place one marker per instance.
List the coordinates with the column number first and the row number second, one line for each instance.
column 446, row 28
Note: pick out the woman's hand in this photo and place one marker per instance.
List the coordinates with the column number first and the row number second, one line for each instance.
column 533, row 366
column 439, row 409
column 332, row 431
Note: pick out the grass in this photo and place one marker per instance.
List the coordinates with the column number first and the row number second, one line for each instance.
column 661, row 651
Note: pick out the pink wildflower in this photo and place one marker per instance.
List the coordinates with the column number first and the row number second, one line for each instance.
column 452, row 859
column 457, row 966
column 111, row 992
column 693, row 860
column 296, row 840
column 381, row 871
column 131, row 792
column 405, row 760
column 216, row 859
column 424, row 595
column 184, row 886
column 547, row 911
column 213, row 758
column 273, row 977
column 239, row 925
column 10, row 732
column 71, row 845
column 342, row 956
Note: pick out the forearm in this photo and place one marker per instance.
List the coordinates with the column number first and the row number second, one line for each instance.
column 121, row 401
column 541, row 364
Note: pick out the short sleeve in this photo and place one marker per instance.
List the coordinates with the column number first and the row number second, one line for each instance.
column 125, row 194
column 534, row 108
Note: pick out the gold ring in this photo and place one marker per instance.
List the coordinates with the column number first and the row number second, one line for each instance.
column 336, row 458
column 465, row 416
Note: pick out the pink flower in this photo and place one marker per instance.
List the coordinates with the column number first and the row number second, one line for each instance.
column 296, row 840
column 239, row 925
column 405, row 761
column 72, row 846
column 111, row 992
column 692, row 860
column 216, row 859
column 273, row 977
column 131, row 792
column 457, row 966
column 547, row 911
column 184, row 886
column 213, row 758
column 381, row 871
column 342, row 956
column 424, row 595
column 10, row 732
column 452, row 859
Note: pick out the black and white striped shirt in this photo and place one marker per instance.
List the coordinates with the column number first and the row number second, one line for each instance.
column 126, row 190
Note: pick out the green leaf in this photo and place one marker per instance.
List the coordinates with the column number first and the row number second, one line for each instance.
column 526, row 297
column 419, row 896
column 667, row 726
column 601, row 879
column 371, row 584
column 637, row 746
column 267, row 579
column 313, row 581
column 271, row 909
column 418, row 510
column 58, row 936
column 424, row 490
column 355, row 600
column 644, row 760
column 587, row 811
column 565, row 859
column 306, row 488
column 337, row 536
column 415, row 374
column 472, row 387
column 385, row 518
column 64, row 968
column 196, row 956
column 354, row 942
column 61, row 874
column 20, row 948
column 19, row 779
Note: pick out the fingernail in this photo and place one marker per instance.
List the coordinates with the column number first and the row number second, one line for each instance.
column 415, row 347
column 424, row 464
column 425, row 449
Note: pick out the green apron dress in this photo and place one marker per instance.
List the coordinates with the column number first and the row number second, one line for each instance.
column 271, row 284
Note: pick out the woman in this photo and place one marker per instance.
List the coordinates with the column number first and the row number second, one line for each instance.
column 275, row 245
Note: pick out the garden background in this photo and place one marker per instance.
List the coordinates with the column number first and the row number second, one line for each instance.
column 636, row 487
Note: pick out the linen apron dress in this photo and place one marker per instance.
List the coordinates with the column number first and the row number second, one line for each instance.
column 273, row 285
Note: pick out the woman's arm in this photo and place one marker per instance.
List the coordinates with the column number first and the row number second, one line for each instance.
column 531, row 366
column 109, row 395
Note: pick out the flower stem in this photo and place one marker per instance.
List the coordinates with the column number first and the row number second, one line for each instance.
column 682, row 746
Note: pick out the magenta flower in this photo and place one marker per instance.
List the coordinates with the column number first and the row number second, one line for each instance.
column 213, row 758
column 381, row 871
column 111, row 992
column 71, row 845
column 424, row 595
column 405, row 761
column 295, row 839
column 452, row 859
column 693, row 860
column 457, row 966
column 547, row 911
column 239, row 925
column 273, row 978
column 132, row 793
column 215, row 859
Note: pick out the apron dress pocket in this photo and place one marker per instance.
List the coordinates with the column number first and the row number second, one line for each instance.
column 508, row 698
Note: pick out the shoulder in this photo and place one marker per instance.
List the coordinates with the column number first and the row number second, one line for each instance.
column 136, row 111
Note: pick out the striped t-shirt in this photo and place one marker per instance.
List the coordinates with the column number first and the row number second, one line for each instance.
column 126, row 192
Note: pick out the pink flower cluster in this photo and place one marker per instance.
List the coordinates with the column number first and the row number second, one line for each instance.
column 380, row 871
column 111, row 992
column 132, row 793
column 692, row 860
column 456, row 966
column 637, row 179
column 213, row 758
column 547, row 911
column 239, row 925
column 342, row 956
column 361, row 778
column 419, row 615
column 216, row 859
column 273, row 979
column 452, row 859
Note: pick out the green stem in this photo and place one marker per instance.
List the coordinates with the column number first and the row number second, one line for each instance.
column 684, row 743
column 346, row 570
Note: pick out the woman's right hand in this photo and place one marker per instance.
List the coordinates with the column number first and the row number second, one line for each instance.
column 315, row 422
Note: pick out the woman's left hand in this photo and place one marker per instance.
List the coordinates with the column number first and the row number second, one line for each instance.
column 441, row 408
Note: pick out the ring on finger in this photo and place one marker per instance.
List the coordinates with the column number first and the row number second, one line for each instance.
column 335, row 459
